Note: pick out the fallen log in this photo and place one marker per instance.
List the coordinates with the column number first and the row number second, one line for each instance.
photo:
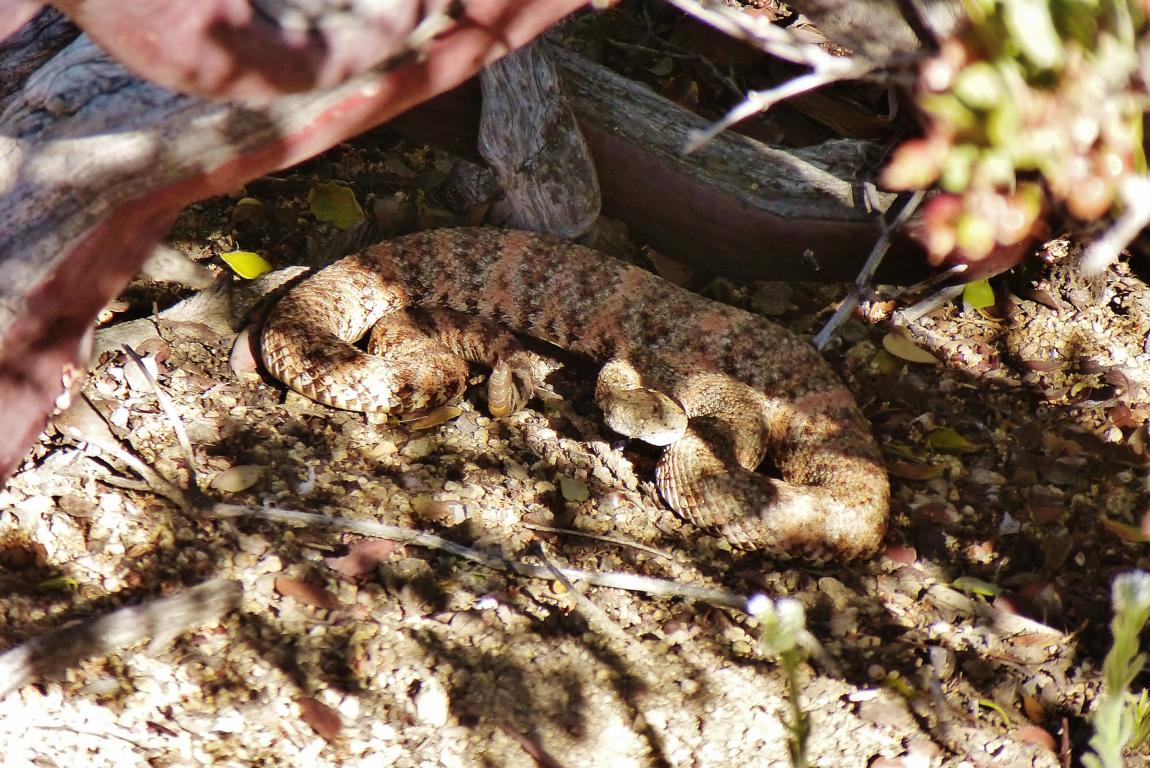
column 95, row 163
column 736, row 207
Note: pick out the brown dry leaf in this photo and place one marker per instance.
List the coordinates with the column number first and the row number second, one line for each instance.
column 670, row 270
column 434, row 418
column 83, row 422
column 393, row 214
column 249, row 211
column 362, row 558
column 1033, row 734
column 237, row 478
column 888, row 762
column 574, row 489
column 901, row 346
column 156, row 348
column 902, row 555
column 323, row 719
column 1033, row 708
column 306, row 593
column 242, row 359
column 533, row 748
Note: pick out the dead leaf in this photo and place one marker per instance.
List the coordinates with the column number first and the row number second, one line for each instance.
column 249, row 211
column 1131, row 533
column 670, row 270
column 362, row 558
column 243, row 360
column 306, row 593
column 1035, row 711
column 157, row 348
column 902, row 347
column 434, row 418
column 902, row 555
column 237, row 478
column 1033, row 734
column 323, row 719
column 573, row 489
column 1121, row 415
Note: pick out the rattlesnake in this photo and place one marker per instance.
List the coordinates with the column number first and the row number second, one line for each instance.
column 748, row 387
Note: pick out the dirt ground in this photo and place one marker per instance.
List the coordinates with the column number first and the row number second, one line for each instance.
column 975, row 638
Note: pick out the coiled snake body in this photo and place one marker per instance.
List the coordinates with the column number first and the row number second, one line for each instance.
column 747, row 387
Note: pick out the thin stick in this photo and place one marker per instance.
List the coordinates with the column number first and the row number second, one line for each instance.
column 626, row 581
column 1105, row 250
column 159, row 484
column 930, row 282
column 596, row 617
column 161, row 618
column 906, row 317
column 866, row 274
column 174, row 418
column 760, row 101
column 674, row 52
column 598, row 537
column 768, row 37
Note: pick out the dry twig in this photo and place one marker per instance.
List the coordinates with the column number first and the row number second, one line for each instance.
column 778, row 42
column 173, row 418
column 627, row 581
column 161, row 619
column 1105, row 250
column 866, row 274
column 597, row 537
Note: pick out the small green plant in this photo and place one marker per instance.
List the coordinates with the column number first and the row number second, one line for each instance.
column 1141, row 707
column 1121, row 719
column 784, row 633
column 1031, row 104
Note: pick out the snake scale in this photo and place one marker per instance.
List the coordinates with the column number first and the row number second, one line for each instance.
column 721, row 388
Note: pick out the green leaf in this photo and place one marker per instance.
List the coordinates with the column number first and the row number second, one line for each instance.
column 973, row 586
column 958, row 168
column 247, row 264
column 978, row 295
column 988, row 704
column 335, row 204
column 59, row 584
column 949, row 440
column 1031, row 28
column 885, row 364
column 975, row 235
column 980, row 86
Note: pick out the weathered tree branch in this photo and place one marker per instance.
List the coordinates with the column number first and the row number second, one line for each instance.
column 95, row 164
column 736, row 207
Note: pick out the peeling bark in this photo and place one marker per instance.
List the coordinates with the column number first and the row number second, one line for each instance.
column 95, row 164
